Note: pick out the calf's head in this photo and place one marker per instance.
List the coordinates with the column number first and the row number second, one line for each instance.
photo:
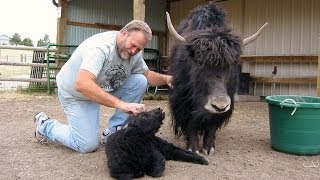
column 147, row 122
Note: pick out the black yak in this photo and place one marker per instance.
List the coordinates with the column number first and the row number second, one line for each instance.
column 204, row 62
column 135, row 150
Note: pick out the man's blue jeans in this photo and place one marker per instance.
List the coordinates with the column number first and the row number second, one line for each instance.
column 82, row 132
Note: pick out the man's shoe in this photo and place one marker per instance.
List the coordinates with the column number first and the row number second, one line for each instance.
column 107, row 133
column 39, row 119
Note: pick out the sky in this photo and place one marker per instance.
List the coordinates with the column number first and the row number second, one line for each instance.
column 29, row 18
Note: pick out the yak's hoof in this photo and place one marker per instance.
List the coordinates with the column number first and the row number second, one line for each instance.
column 205, row 152
column 197, row 151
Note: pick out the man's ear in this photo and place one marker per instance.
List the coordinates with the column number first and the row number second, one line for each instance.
column 123, row 32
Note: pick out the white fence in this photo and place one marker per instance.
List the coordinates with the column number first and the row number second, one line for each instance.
column 17, row 66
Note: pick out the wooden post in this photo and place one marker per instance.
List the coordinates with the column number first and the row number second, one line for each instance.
column 62, row 22
column 139, row 9
column 318, row 81
column 61, row 29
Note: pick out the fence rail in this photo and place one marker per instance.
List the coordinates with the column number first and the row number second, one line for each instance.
column 43, row 80
column 19, row 79
column 28, row 48
column 22, row 64
column 31, row 72
column 39, row 69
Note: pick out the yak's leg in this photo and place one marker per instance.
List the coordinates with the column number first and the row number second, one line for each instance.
column 208, row 140
column 192, row 141
column 192, row 137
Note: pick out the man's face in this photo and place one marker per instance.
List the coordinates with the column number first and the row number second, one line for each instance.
column 130, row 44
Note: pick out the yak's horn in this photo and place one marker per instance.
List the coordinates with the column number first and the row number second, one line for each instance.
column 253, row 37
column 173, row 32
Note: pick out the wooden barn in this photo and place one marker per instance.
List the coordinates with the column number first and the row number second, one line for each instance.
column 284, row 59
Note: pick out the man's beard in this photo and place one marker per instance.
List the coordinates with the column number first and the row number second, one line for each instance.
column 124, row 55
column 122, row 51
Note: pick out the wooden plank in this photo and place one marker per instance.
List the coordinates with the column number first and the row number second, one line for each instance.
column 107, row 27
column 286, row 80
column 279, row 59
column 24, row 79
column 95, row 25
column 139, row 9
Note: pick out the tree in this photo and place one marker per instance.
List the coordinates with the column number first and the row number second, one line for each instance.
column 27, row 42
column 16, row 39
column 44, row 42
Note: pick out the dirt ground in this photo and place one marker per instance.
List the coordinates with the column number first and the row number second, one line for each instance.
column 243, row 149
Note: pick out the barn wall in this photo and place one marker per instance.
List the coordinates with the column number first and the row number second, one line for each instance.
column 113, row 12
column 293, row 25
column 234, row 12
column 179, row 10
column 293, row 31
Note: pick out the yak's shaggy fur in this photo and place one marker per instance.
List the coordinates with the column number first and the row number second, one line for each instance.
column 204, row 70
column 135, row 150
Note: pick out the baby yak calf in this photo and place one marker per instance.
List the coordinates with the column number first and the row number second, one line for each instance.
column 135, row 150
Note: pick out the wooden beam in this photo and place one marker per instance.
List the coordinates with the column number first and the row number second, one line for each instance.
column 62, row 28
column 107, row 27
column 288, row 59
column 62, row 22
column 95, row 25
column 318, row 79
column 139, row 9
column 285, row 80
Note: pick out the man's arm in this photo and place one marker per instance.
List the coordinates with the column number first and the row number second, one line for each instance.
column 86, row 84
column 157, row 79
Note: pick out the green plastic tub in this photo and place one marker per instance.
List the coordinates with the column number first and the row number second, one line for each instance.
column 294, row 124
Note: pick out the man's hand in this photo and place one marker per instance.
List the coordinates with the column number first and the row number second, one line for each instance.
column 132, row 108
column 169, row 81
column 157, row 79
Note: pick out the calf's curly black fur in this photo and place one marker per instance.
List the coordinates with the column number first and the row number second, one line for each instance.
column 135, row 150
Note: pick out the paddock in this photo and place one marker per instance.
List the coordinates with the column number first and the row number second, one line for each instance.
column 243, row 149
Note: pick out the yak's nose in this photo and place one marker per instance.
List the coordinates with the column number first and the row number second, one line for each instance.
column 219, row 109
column 218, row 104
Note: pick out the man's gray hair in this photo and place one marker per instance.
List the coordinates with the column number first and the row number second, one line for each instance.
column 137, row 25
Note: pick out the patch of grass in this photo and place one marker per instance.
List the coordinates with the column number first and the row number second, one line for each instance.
column 161, row 95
